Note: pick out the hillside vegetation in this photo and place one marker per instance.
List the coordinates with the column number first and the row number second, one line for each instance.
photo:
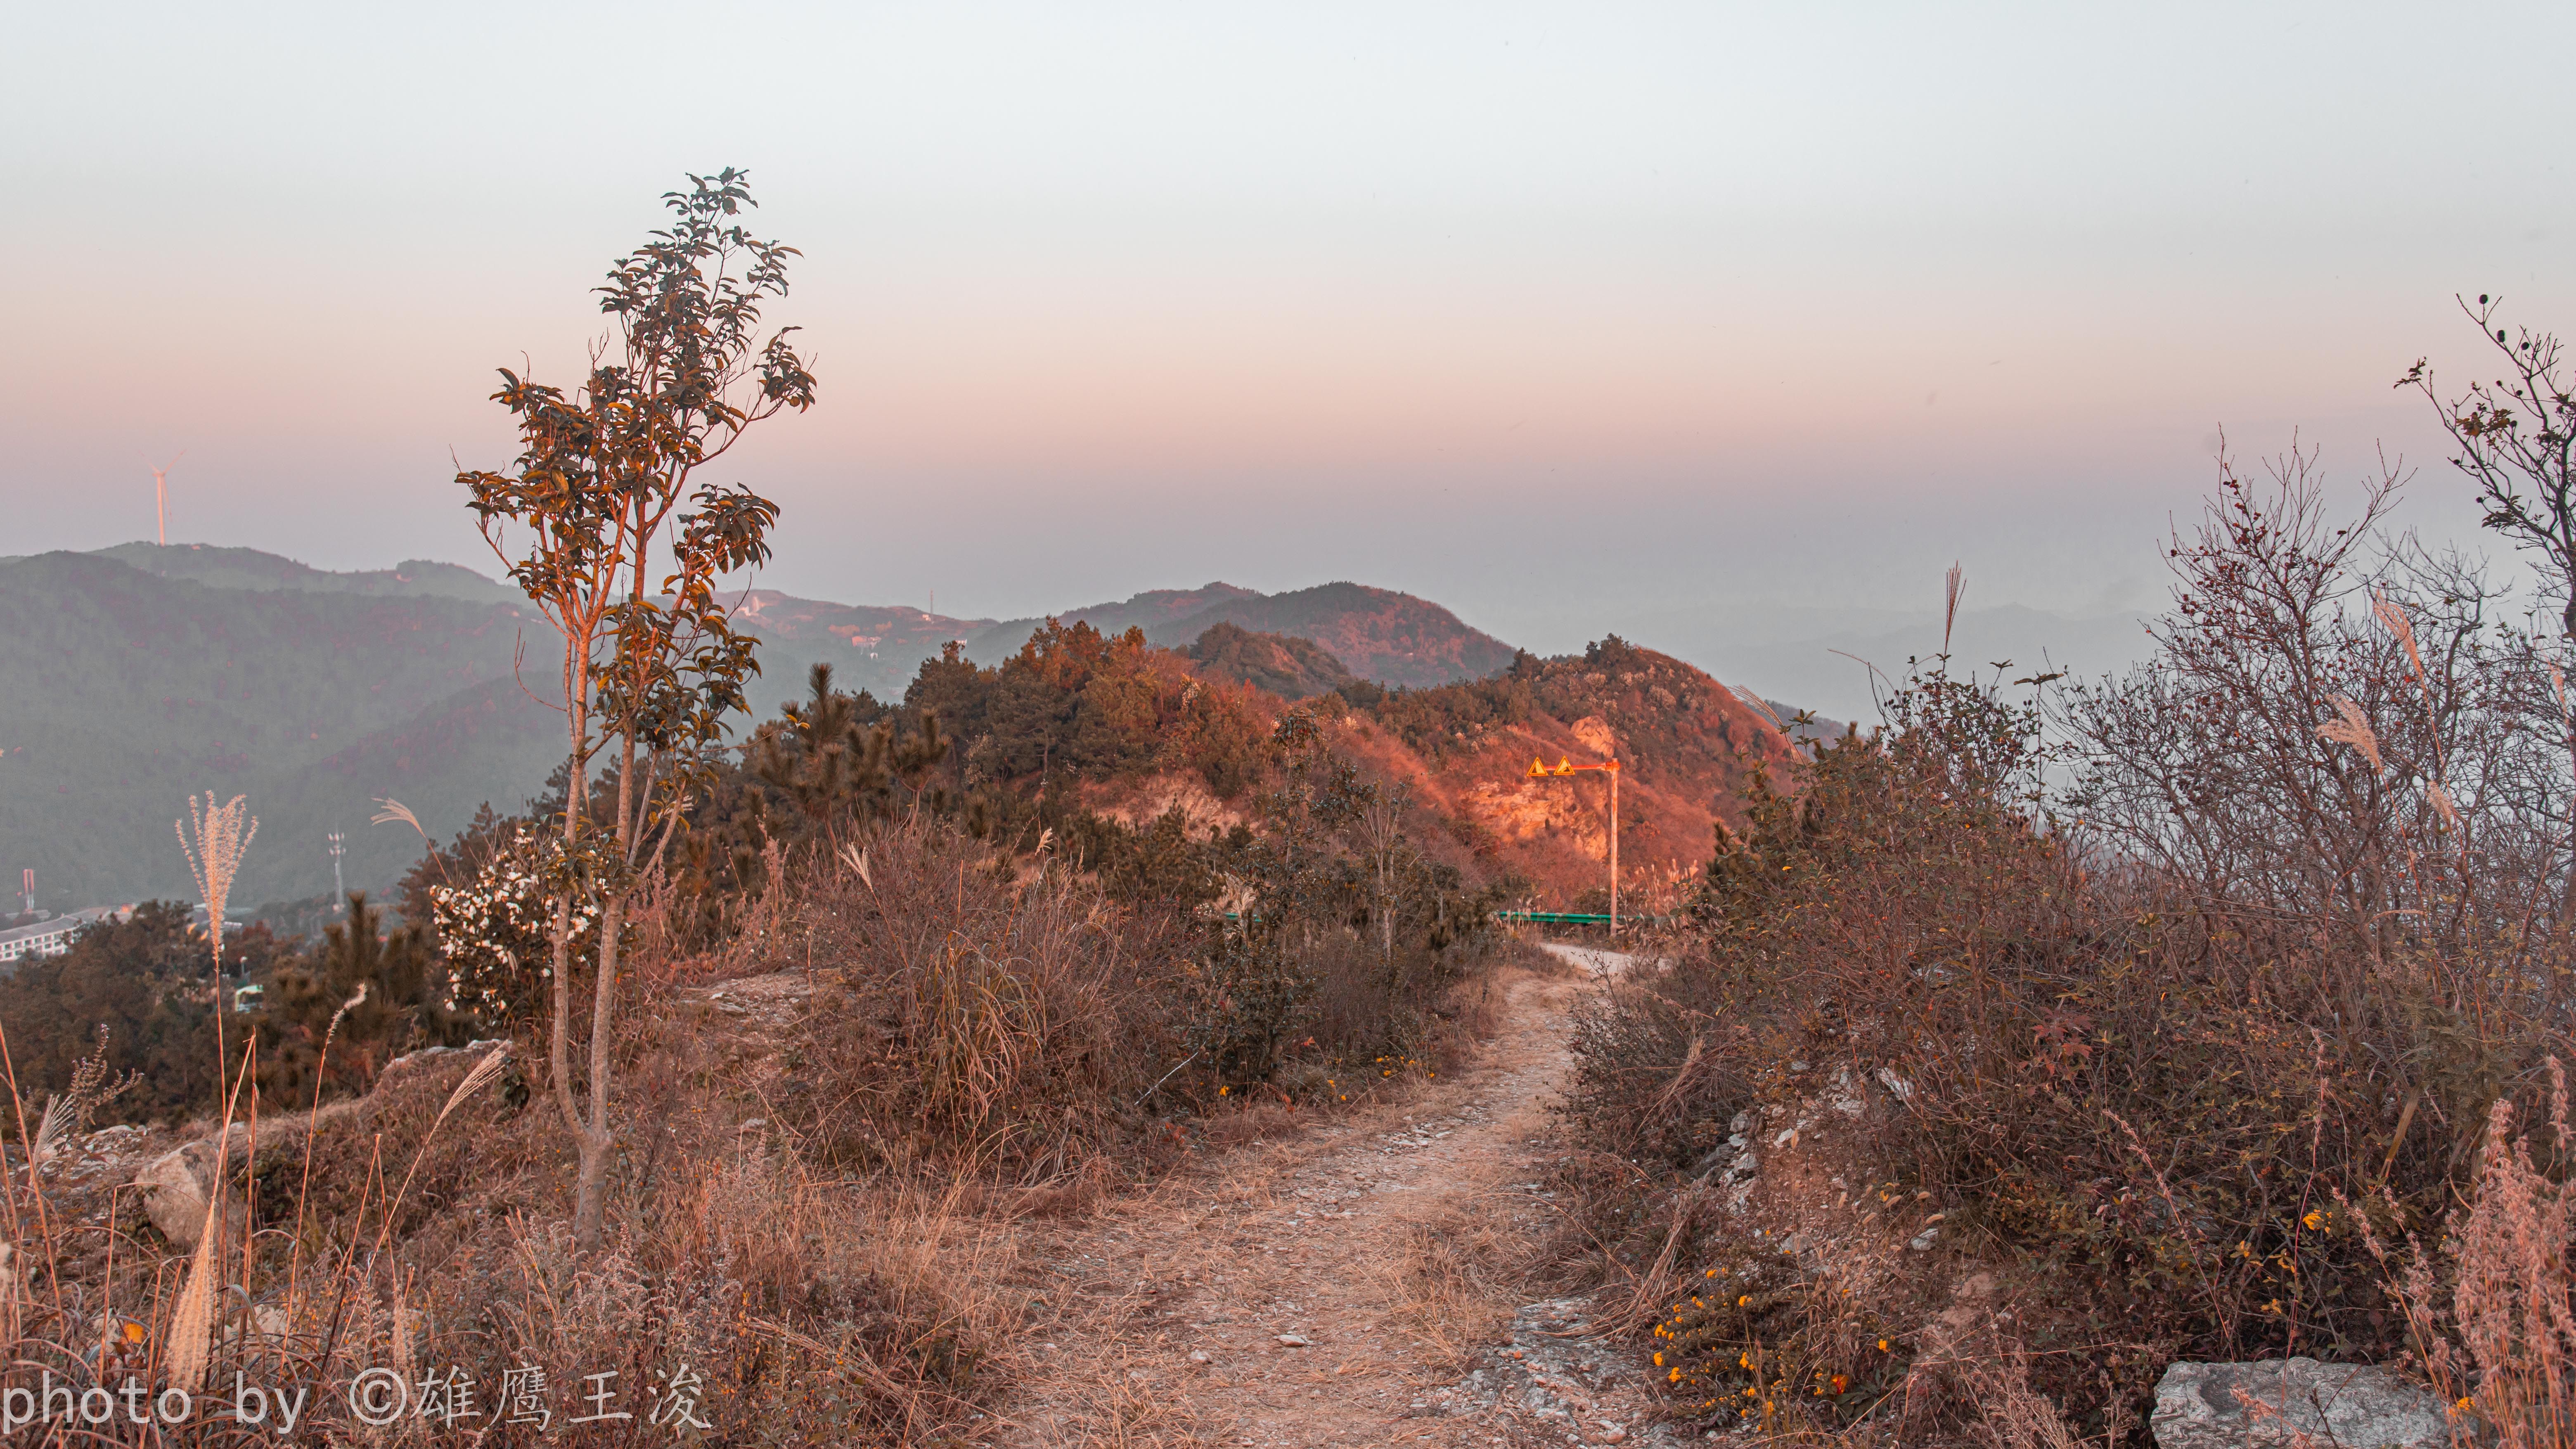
column 185, row 668
column 1080, row 734
column 1280, row 664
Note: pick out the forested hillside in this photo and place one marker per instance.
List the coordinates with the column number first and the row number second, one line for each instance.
column 132, row 690
column 1282, row 664
column 1080, row 728
column 1686, row 744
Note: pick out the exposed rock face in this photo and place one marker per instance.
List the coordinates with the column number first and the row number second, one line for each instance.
column 2351, row 1406
column 1594, row 734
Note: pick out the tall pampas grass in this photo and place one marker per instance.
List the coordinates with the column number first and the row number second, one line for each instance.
column 2351, row 727
column 484, row 1071
column 395, row 812
column 192, row 1319
column 1954, row 589
column 223, row 835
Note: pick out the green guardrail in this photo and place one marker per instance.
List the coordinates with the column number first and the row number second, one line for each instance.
column 1553, row 918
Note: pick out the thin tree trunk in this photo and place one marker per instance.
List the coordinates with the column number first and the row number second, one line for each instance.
column 590, row 1205
column 559, row 1040
column 590, row 1202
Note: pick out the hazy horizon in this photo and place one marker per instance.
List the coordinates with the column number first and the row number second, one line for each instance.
column 1664, row 320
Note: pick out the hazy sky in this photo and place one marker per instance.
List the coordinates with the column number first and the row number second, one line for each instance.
column 1574, row 318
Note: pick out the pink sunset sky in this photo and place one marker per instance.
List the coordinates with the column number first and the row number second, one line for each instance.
column 1666, row 319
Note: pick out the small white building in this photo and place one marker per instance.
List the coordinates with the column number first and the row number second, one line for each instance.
column 53, row 937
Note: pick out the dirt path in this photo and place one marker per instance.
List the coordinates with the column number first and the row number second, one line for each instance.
column 1351, row 1285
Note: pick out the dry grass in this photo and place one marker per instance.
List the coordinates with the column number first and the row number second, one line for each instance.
column 1254, row 1121
column 2493, row 1314
column 1100, row 1403
column 2013, row 1415
column 430, row 1234
column 816, row 1222
column 1453, row 1281
column 965, row 1017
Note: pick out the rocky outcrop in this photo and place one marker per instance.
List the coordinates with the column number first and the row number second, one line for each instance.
column 1557, row 1376
column 177, row 1185
column 2286, row 1401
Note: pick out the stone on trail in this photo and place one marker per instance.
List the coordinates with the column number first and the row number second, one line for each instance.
column 2351, row 1406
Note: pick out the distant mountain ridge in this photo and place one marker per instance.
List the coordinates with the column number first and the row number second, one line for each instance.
column 248, row 568
column 144, row 673
column 1380, row 635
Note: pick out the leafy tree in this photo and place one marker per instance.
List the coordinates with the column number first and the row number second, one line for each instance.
column 603, row 487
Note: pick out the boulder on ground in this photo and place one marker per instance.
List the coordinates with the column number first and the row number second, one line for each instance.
column 2281, row 1401
column 177, row 1184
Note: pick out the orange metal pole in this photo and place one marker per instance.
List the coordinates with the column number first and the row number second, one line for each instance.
column 1538, row 770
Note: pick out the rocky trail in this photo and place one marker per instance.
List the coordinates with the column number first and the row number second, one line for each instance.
column 1352, row 1283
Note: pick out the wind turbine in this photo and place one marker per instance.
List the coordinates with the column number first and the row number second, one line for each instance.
column 161, row 494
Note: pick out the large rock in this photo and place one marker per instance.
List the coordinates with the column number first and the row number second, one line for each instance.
column 177, row 1184
column 2350, row 1406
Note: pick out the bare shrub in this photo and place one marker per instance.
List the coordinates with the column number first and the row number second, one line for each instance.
column 2285, row 923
